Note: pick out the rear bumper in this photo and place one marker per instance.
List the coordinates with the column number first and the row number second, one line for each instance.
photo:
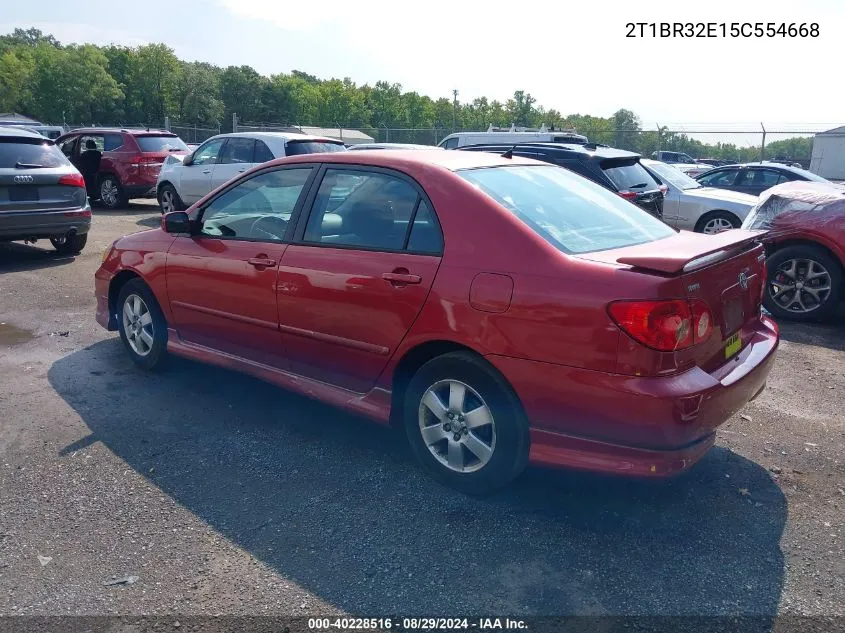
column 19, row 225
column 626, row 424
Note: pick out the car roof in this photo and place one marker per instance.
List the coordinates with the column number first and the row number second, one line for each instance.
column 394, row 146
column 589, row 150
column 279, row 136
column 411, row 159
column 132, row 131
column 21, row 132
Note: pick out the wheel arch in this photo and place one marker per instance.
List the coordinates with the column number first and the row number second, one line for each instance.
column 712, row 212
column 117, row 282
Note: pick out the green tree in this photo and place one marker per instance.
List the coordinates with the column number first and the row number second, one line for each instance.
column 197, row 94
column 16, row 70
column 153, row 73
column 242, row 91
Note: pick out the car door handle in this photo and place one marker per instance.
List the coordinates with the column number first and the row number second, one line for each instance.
column 242, row 169
column 401, row 278
column 261, row 260
column 206, row 171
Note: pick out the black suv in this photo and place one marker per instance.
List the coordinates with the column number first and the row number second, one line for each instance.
column 615, row 169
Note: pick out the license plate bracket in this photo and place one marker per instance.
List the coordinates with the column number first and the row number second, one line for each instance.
column 733, row 345
column 25, row 193
column 733, row 314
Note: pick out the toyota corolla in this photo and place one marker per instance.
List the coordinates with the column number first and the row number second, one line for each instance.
column 504, row 311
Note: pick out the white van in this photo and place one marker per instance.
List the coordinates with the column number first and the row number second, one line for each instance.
column 511, row 135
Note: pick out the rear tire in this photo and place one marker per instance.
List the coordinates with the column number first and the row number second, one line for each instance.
column 820, row 278
column 111, row 193
column 70, row 246
column 465, row 425
column 169, row 200
column 717, row 221
column 142, row 326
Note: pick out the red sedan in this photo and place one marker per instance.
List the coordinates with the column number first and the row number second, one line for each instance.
column 503, row 310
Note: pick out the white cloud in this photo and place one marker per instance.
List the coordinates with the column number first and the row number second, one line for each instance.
column 80, row 33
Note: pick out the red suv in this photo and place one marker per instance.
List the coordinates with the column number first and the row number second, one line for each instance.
column 119, row 164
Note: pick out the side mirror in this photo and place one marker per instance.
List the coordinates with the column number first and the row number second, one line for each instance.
column 188, row 160
column 176, row 222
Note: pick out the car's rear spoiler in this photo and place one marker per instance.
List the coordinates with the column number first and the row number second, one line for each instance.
column 685, row 252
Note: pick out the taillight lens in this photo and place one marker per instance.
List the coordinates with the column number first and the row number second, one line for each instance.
column 628, row 195
column 72, row 180
column 665, row 325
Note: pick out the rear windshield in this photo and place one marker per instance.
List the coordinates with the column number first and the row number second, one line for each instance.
column 674, row 176
column 570, row 212
column 161, row 144
column 16, row 152
column 294, row 148
column 629, row 176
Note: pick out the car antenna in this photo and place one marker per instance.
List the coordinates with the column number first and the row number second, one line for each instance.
column 509, row 153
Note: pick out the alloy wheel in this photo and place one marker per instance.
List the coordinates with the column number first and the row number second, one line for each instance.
column 109, row 192
column 457, row 426
column 138, row 325
column 167, row 201
column 717, row 225
column 800, row 285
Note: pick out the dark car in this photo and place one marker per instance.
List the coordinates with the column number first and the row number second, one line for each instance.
column 503, row 310
column 754, row 178
column 805, row 248
column 714, row 162
column 42, row 196
column 614, row 169
column 120, row 164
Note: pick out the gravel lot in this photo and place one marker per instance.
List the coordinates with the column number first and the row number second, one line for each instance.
column 224, row 495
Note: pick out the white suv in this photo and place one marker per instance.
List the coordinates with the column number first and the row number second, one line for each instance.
column 184, row 180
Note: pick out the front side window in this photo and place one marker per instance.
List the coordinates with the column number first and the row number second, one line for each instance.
column 721, row 178
column 237, row 150
column 449, row 143
column 363, row 209
column 259, row 208
column 207, row 154
column 570, row 212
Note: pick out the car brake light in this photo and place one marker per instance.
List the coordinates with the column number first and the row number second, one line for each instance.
column 72, row 180
column 628, row 195
column 665, row 325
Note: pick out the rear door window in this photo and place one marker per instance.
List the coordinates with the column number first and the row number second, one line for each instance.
column 237, row 150
column 262, row 152
column 161, row 143
column 23, row 153
column 759, row 178
column 629, row 176
column 297, row 147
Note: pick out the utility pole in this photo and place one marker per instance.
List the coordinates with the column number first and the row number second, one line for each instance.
column 454, row 108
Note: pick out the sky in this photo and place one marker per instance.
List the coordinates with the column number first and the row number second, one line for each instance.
column 573, row 57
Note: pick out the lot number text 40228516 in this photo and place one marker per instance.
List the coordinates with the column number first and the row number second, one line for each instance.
column 722, row 29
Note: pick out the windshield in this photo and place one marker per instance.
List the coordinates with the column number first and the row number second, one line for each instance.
column 29, row 153
column 673, row 176
column 161, row 144
column 567, row 210
column 293, row 148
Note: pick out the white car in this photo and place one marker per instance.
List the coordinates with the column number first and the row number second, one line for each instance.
column 692, row 169
column 185, row 179
column 688, row 205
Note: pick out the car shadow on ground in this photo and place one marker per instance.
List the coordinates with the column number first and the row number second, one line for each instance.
column 336, row 505
column 17, row 256
column 830, row 334
column 152, row 223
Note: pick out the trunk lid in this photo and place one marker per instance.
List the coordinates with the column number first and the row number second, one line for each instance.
column 27, row 190
column 725, row 270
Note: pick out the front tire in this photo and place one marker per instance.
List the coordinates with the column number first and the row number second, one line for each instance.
column 804, row 284
column 69, row 246
column 141, row 324
column 465, row 425
column 169, row 200
column 111, row 193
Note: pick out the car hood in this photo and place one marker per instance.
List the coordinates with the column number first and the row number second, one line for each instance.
column 721, row 195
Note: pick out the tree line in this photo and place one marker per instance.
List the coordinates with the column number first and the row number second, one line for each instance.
column 88, row 84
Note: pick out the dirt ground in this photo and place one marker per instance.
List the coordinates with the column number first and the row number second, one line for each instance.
column 215, row 493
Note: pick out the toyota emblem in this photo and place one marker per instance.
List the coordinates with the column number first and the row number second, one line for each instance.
column 22, row 179
column 743, row 280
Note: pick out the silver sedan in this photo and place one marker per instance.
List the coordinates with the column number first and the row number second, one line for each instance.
column 688, row 205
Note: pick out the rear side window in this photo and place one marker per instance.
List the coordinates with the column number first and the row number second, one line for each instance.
column 425, row 233
column 761, row 178
column 294, row 148
column 629, row 176
column 568, row 211
column 25, row 154
column 112, row 141
column 262, row 152
column 161, row 144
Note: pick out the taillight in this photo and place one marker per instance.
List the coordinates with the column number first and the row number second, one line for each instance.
column 72, row 180
column 665, row 325
column 628, row 195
